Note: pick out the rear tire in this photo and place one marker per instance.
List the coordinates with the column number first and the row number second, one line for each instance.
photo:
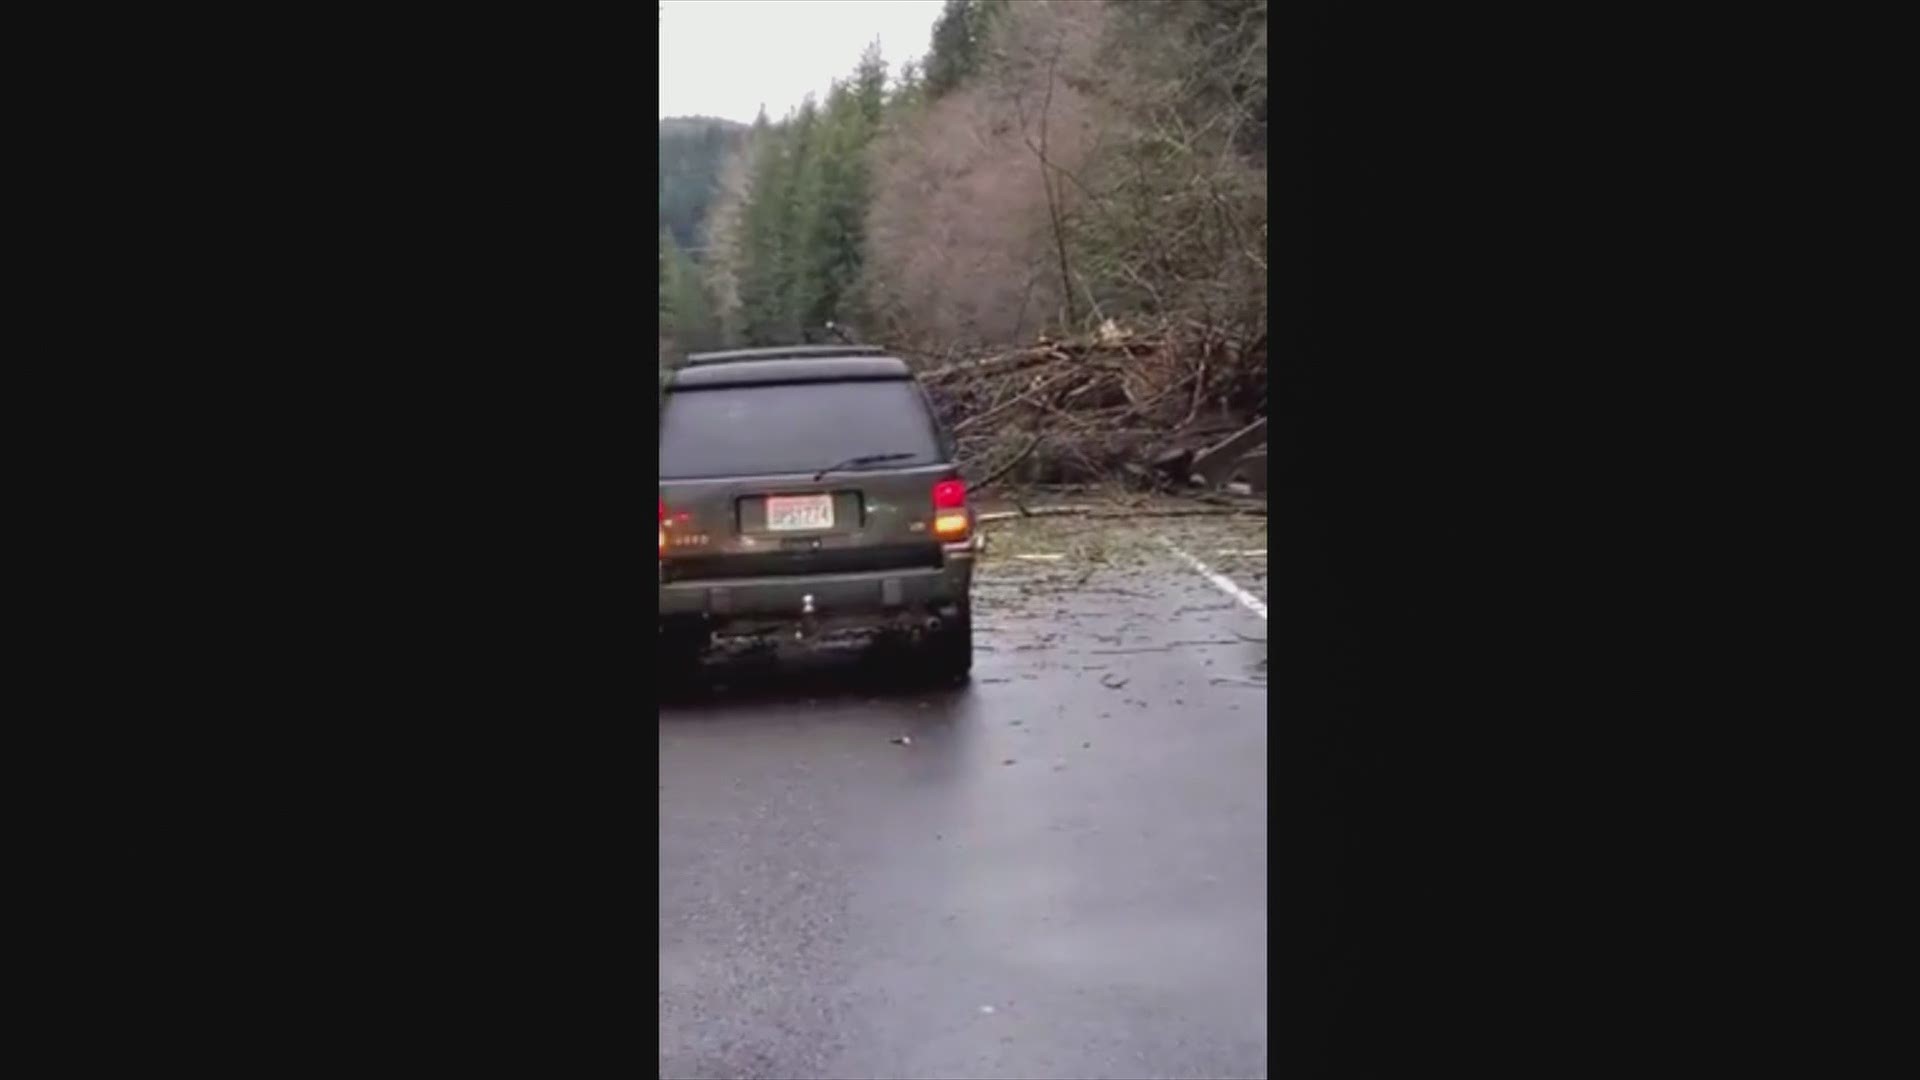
column 949, row 651
column 680, row 651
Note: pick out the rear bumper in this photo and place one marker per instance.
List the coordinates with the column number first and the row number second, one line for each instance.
column 855, row 597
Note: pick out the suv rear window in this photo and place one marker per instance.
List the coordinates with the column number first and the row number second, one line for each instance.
column 798, row 427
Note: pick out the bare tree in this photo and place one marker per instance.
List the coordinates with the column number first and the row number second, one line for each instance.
column 721, row 237
column 969, row 208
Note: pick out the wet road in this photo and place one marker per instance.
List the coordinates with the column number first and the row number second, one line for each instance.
column 1058, row 870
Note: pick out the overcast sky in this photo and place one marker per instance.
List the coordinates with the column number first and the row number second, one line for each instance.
column 727, row 57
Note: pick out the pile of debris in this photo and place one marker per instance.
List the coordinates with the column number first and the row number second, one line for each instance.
column 1165, row 410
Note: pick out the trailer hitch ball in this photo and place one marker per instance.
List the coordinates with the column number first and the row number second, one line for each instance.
column 806, row 618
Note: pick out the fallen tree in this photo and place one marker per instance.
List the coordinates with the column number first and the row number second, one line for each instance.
column 1138, row 409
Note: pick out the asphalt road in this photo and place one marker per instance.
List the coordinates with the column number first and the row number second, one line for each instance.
column 1059, row 870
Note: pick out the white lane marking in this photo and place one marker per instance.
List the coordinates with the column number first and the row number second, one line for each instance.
column 1220, row 581
column 1250, row 554
column 1041, row 558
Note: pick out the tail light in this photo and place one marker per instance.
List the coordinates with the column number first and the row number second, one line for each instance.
column 663, row 528
column 950, row 518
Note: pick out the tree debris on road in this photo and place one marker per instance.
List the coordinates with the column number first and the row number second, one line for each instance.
column 1149, row 408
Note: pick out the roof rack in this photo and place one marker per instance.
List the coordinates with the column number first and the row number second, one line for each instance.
column 781, row 371
column 785, row 352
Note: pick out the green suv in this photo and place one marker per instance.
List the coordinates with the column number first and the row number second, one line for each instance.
column 806, row 493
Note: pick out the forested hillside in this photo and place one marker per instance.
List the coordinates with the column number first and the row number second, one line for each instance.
column 692, row 151
column 1058, row 169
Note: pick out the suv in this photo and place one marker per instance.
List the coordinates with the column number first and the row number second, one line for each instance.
column 808, row 492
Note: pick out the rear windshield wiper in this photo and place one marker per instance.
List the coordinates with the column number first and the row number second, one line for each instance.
column 863, row 459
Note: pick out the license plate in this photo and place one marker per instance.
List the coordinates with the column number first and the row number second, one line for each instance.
column 791, row 513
